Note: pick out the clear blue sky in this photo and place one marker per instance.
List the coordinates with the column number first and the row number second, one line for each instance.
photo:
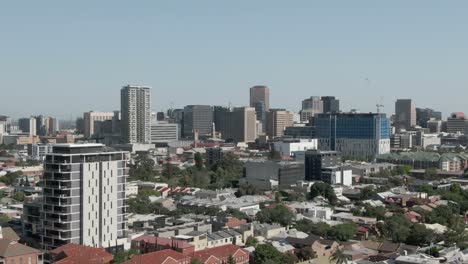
column 65, row 57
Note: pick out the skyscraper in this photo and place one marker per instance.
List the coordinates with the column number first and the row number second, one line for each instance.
column 260, row 94
column 425, row 114
column 276, row 121
column 135, row 103
column 84, row 196
column 353, row 134
column 198, row 118
column 28, row 125
column 330, row 104
column 310, row 107
column 405, row 114
column 241, row 125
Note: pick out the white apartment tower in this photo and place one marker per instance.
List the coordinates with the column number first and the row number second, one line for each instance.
column 135, row 103
column 84, row 196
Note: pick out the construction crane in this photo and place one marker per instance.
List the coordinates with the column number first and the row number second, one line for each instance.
column 378, row 107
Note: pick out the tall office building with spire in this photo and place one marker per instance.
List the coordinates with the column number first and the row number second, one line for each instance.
column 135, row 103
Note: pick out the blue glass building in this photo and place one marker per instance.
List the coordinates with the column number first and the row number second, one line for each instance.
column 354, row 134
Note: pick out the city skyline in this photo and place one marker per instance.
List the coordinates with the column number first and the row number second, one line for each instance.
column 357, row 52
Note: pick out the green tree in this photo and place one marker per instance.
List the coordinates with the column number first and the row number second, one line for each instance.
column 396, row 228
column 430, row 174
column 19, row 196
column 4, row 219
column 309, row 227
column 274, row 155
column 251, row 242
column 246, row 189
column 338, row 257
column 280, row 214
column 420, row 235
column 122, row 256
column 325, row 190
column 198, row 161
column 11, row 177
column 195, row 261
column 143, row 169
column 306, row 253
column 231, row 260
column 289, row 258
column 342, row 232
column 267, row 253
column 433, row 251
column 367, row 193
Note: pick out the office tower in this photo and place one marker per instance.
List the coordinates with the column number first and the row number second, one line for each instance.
column 28, row 125
column 456, row 123
column 434, row 126
column 276, row 121
column 405, row 114
column 198, row 118
column 360, row 135
column 84, row 196
column 242, row 125
column 330, row 104
column 160, row 116
column 260, row 94
column 116, row 123
column 260, row 111
column 92, row 120
column 219, row 118
column 135, row 103
column 423, row 115
column 53, row 125
column 310, row 107
column 315, row 161
column 164, row 132
column 79, row 125
column 42, row 125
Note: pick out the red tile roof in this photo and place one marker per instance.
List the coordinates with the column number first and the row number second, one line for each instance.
column 167, row 256
column 220, row 253
column 75, row 254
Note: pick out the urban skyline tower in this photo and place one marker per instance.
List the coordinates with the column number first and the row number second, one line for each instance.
column 258, row 94
column 405, row 114
column 135, row 104
column 84, row 196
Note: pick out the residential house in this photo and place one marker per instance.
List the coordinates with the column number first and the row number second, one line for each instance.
column 77, row 254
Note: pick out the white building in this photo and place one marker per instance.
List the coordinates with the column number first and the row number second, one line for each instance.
column 288, row 148
column 84, row 196
column 39, row 151
column 164, row 132
column 135, row 114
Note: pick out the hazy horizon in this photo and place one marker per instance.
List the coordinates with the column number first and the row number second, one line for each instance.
column 65, row 58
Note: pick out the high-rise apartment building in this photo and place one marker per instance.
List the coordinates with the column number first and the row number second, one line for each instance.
column 84, row 196
column 276, row 121
column 361, row 135
column 91, row 120
column 28, row 125
column 405, row 114
column 53, row 125
column 242, row 124
column 260, row 93
column 135, row 103
column 198, row 118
